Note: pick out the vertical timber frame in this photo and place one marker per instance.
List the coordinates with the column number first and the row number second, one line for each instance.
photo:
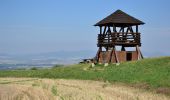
column 139, row 53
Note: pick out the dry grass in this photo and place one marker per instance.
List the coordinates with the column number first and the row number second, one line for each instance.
column 60, row 89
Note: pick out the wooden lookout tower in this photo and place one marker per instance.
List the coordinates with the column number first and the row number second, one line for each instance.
column 118, row 31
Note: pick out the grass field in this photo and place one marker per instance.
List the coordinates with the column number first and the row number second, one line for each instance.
column 151, row 73
column 66, row 89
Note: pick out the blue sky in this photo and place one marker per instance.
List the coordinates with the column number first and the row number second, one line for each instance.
column 39, row 26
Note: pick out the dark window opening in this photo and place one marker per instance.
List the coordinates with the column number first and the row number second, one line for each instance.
column 129, row 56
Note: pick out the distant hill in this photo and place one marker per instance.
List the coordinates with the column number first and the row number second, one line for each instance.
column 60, row 57
column 12, row 61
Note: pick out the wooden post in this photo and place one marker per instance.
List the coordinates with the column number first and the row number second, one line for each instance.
column 104, row 29
column 109, row 33
column 108, row 57
column 127, row 29
column 121, row 29
column 107, row 48
column 131, row 29
column 98, row 54
column 111, row 54
column 116, row 56
column 100, row 29
column 114, row 28
column 109, row 30
column 123, row 48
column 139, row 53
column 136, row 28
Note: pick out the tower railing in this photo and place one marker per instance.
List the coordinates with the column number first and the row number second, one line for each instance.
column 123, row 39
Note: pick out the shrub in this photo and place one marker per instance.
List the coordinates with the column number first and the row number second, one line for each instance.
column 58, row 65
column 34, row 68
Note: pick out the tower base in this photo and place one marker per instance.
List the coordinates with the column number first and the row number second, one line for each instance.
column 113, row 56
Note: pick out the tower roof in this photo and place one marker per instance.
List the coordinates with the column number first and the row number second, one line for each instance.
column 119, row 18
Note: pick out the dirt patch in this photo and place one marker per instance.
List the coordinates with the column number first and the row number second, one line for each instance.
column 141, row 86
column 61, row 89
column 163, row 90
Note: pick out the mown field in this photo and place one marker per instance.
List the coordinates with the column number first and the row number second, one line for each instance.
column 67, row 89
column 150, row 74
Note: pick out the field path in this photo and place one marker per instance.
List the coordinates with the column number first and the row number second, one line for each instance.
column 61, row 89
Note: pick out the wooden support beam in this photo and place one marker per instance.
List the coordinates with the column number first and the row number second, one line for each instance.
column 109, row 32
column 108, row 57
column 98, row 54
column 131, row 29
column 123, row 48
column 127, row 30
column 136, row 28
column 121, row 29
column 100, row 29
column 116, row 56
column 107, row 48
column 111, row 54
column 114, row 29
column 139, row 53
column 104, row 29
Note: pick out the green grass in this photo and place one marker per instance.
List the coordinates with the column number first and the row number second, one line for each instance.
column 54, row 90
column 154, row 72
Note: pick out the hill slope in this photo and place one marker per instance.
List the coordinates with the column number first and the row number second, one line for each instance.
column 152, row 73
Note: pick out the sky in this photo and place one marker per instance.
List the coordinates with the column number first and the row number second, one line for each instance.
column 41, row 26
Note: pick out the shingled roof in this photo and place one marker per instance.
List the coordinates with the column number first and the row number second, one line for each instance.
column 119, row 18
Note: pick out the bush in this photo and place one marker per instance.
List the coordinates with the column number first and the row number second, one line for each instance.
column 34, row 68
column 58, row 65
